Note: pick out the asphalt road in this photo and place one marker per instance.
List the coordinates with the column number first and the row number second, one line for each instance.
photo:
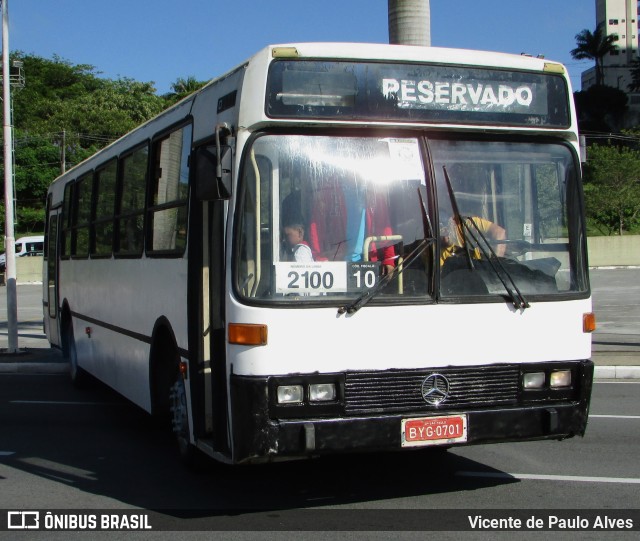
column 61, row 448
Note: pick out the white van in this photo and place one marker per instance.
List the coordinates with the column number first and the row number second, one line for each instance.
column 26, row 246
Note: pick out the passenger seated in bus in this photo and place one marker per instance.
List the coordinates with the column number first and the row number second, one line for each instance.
column 296, row 248
column 452, row 239
column 343, row 215
column 291, row 208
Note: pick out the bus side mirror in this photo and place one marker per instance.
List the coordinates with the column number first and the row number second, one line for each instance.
column 213, row 169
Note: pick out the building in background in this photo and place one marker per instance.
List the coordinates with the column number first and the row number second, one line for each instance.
column 619, row 18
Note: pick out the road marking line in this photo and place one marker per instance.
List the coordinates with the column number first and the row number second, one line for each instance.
column 577, row 478
column 60, row 402
column 7, row 453
column 614, row 416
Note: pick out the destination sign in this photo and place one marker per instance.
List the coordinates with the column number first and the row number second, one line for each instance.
column 475, row 96
column 409, row 92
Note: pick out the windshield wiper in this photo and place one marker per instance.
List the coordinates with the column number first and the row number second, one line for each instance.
column 428, row 240
column 371, row 293
column 515, row 295
column 458, row 218
column 517, row 298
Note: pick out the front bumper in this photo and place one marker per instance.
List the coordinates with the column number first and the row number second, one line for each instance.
column 258, row 436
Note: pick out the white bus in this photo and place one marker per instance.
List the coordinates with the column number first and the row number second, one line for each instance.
column 336, row 248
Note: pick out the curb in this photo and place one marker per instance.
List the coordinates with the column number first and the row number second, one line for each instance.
column 34, row 368
column 616, row 372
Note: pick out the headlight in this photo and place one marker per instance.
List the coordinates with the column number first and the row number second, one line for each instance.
column 322, row 392
column 533, row 380
column 560, row 378
column 290, row 394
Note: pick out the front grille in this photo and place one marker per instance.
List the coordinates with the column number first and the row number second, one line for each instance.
column 395, row 391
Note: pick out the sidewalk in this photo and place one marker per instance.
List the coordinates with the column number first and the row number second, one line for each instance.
column 38, row 360
column 35, row 355
column 616, row 356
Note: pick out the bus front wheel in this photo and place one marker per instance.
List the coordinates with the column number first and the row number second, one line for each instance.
column 179, row 415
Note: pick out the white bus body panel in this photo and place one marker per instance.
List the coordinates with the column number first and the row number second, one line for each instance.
column 145, row 290
column 388, row 337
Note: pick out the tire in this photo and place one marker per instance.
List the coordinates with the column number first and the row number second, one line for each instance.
column 79, row 377
column 179, row 416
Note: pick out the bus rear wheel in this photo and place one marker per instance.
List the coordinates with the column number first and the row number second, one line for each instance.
column 79, row 377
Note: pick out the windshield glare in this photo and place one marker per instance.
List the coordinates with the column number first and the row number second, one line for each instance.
column 324, row 219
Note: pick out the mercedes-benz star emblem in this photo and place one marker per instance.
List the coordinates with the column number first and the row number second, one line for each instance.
column 435, row 389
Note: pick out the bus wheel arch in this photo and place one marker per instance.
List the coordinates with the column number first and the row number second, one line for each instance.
column 164, row 361
column 168, row 388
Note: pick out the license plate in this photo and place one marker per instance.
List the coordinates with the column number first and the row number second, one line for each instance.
column 434, row 430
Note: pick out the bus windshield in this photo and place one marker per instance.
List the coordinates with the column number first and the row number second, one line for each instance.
column 508, row 213
column 326, row 218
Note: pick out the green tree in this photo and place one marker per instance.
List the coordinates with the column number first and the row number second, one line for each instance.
column 594, row 46
column 62, row 98
column 612, row 188
column 600, row 108
column 634, row 86
column 182, row 87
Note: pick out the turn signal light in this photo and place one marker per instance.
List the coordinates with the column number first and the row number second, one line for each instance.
column 247, row 334
column 588, row 322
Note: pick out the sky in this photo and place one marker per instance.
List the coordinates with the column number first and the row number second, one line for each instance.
column 160, row 41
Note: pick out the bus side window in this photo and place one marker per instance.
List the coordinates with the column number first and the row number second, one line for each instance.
column 131, row 206
column 82, row 215
column 168, row 205
column 105, row 208
column 67, row 213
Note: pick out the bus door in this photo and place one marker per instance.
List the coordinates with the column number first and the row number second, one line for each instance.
column 217, row 390
column 207, row 260
column 51, row 319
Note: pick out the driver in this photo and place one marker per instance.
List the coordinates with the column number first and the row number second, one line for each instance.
column 452, row 239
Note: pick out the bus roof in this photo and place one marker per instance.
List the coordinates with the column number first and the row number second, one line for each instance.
column 260, row 61
column 412, row 53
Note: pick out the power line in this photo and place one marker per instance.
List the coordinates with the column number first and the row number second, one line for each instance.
column 56, row 136
column 618, row 137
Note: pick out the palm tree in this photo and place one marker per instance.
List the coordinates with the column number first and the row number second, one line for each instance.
column 183, row 87
column 594, row 46
column 409, row 22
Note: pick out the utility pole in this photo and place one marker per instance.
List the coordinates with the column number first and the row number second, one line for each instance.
column 9, row 235
column 63, row 153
